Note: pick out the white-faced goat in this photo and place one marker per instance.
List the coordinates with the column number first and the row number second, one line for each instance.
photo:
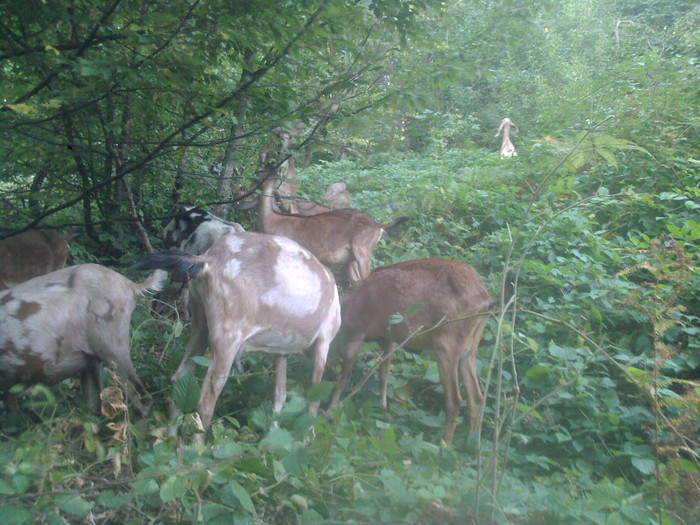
column 253, row 292
column 344, row 237
column 32, row 253
column 452, row 309
column 68, row 322
column 507, row 148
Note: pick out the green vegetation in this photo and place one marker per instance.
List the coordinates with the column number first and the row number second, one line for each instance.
column 113, row 110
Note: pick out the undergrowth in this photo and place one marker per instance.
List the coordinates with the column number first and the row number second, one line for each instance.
column 592, row 379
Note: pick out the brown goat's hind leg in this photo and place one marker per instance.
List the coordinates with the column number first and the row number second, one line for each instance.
column 447, row 367
column 349, row 356
column 389, row 349
column 467, row 374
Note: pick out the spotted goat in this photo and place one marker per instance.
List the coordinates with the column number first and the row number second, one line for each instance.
column 252, row 292
column 69, row 322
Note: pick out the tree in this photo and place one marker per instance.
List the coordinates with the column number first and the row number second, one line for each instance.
column 113, row 107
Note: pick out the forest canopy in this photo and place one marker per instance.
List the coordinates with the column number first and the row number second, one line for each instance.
column 113, row 112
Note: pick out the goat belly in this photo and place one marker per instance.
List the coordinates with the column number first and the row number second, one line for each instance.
column 274, row 342
column 30, row 367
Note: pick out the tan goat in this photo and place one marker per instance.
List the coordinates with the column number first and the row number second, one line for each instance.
column 68, row 322
column 31, row 253
column 453, row 306
column 337, row 197
column 252, row 292
column 335, row 237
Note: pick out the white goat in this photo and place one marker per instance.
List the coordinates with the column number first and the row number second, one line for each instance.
column 32, row 253
column 253, row 292
column 507, row 148
column 68, row 322
column 452, row 308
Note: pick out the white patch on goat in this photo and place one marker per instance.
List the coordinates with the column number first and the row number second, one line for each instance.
column 234, row 243
column 232, row 268
column 297, row 289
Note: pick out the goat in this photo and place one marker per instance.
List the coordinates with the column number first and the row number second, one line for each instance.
column 335, row 237
column 337, row 197
column 452, row 303
column 507, row 148
column 68, row 322
column 194, row 230
column 253, row 292
column 32, row 253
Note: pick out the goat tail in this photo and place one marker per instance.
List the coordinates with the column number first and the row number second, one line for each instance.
column 389, row 227
column 154, row 283
column 175, row 261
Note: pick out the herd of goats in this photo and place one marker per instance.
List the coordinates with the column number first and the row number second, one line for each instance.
column 269, row 291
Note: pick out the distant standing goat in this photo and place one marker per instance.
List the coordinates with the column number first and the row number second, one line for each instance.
column 31, row 253
column 507, row 148
column 335, row 237
column 453, row 306
column 252, row 292
column 68, row 322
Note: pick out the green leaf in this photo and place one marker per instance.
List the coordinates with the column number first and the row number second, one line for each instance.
column 395, row 488
column 15, row 514
column 395, row 319
column 201, row 360
column 145, row 486
column 75, row 505
column 172, row 488
column 615, row 518
column 320, row 391
column 644, row 465
column 414, row 308
column 277, row 439
column 538, row 372
column 636, row 514
column 186, row 392
column 243, row 497
column 109, row 499
column 227, row 450
column 529, row 411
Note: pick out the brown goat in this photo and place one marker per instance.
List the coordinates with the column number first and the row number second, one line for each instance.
column 335, row 237
column 31, row 253
column 68, row 322
column 253, row 292
column 452, row 303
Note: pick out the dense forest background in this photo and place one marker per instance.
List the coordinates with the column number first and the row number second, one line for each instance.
column 112, row 111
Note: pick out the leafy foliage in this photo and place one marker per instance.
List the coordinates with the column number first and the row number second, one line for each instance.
column 590, row 378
